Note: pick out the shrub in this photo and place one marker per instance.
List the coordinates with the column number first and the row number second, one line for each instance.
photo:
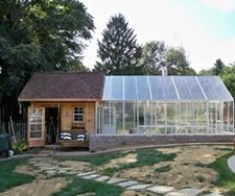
column 20, row 146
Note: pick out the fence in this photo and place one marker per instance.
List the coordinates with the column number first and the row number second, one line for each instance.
column 18, row 130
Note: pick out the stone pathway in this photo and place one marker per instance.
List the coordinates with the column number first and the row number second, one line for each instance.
column 231, row 163
column 48, row 168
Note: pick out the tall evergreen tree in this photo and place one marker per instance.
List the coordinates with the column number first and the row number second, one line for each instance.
column 218, row 67
column 118, row 51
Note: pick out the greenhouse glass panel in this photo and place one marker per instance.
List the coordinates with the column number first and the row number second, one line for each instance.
column 156, row 88
column 143, row 88
column 119, row 117
column 117, row 88
column 182, row 88
column 165, row 105
column 169, row 88
column 130, row 118
column 107, row 88
column 188, row 88
column 208, row 88
column 212, row 117
column 171, row 114
column 231, row 116
column 130, row 84
column 222, row 92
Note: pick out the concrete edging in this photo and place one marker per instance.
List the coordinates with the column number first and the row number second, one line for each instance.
column 107, row 142
column 231, row 163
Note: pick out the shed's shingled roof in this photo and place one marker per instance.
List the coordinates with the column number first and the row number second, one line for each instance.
column 64, row 86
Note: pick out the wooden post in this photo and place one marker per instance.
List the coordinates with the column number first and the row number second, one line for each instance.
column 234, row 146
column 12, row 129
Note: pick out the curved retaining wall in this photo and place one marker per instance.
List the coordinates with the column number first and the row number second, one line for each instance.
column 105, row 142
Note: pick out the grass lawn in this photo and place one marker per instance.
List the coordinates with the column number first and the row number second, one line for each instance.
column 9, row 178
column 150, row 165
column 226, row 177
column 145, row 157
column 82, row 186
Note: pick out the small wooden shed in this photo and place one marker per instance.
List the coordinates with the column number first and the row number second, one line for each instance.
column 61, row 102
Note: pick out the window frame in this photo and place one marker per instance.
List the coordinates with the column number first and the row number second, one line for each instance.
column 78, row 114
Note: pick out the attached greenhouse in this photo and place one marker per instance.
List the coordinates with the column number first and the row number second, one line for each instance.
column 165, row 105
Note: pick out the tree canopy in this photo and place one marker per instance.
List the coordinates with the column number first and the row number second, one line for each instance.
column 228, row 76
column 217, row 69
column 226, row 72
column 118, row 50
column 156, row 54
column 39, row 36
column 153, row 56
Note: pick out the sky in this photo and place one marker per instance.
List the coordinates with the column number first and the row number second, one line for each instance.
column 205, row 28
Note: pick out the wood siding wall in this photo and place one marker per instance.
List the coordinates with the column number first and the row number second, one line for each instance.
column 66, row 113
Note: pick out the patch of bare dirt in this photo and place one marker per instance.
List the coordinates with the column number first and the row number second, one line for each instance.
column 75, row 165
column 135, row 193
column 38, row 187
column 185, row 170
column 23, row 169
column 129, row 158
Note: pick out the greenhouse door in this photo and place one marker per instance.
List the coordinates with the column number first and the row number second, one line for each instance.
column 109, row 120
column 36, row 128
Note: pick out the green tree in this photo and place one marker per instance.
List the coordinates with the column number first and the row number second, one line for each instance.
column 153, row 56
column 228, row 76
column 156, row 54
column 218, row 67
column 178, row 63
column 38, row 36
column 206, row 72
column 118, row 51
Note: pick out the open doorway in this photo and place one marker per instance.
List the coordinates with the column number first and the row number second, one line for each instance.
column 52, row 124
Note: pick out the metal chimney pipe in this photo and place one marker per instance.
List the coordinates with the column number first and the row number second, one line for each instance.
column 164, row 70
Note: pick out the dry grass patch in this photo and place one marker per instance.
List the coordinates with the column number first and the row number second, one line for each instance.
column 184, row 169
column 39, row 187
column 129, row 158
column 75, row 165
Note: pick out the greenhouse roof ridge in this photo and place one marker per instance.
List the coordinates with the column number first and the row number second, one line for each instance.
column 165, row 88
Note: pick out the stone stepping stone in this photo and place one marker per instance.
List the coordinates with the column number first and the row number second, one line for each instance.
column 70, row 172
column 66, row 168
column 48, row 168
column 175, row 193
column 62, row 171
column 42, row 165
column 213, row 194
column 115, row 180
column 102, row 178
column 89, row 177
column 161, row 189
column 139, row 187
column 190, row 191
column 50, row 173
column 127, row 183
column 85, row 174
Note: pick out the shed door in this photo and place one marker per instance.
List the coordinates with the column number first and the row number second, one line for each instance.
column 36, row 128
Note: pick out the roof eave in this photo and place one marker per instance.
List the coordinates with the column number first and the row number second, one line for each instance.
column 57, row 99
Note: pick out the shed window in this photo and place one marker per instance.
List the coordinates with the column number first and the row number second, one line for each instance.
column 78, row 115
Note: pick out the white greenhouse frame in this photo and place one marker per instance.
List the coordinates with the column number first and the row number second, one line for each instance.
column 165, row 105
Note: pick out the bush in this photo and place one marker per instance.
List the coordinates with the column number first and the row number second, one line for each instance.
column 20, row 146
